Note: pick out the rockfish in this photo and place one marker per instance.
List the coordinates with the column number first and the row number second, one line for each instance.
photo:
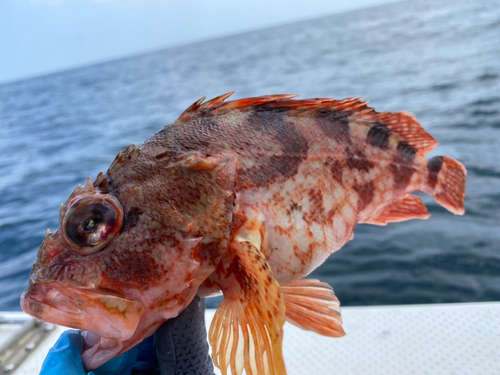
column 243, row 197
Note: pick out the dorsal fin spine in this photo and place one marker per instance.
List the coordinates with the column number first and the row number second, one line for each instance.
column 215, row 101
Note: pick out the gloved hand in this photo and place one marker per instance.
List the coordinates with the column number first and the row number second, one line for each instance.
column 65, row 358
column 181, row 343
column 178, row 347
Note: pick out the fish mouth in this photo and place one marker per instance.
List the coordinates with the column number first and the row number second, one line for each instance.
column 106, row 321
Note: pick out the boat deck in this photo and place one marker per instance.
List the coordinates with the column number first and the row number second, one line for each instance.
column 441, row 339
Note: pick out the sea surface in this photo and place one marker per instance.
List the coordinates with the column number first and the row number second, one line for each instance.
column 437, row 59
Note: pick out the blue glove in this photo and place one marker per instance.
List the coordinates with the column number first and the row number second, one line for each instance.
column 178, row 347
column 65, row 358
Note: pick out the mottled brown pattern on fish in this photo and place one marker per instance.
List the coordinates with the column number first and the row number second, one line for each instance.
column 336, row 170
column 293, row 207
column 334, row 125
column 289, row 140
column 378, row 136
column 402, row 165
column 316, row 210
column 365, row 193
column 357, row 159
column 433, row 168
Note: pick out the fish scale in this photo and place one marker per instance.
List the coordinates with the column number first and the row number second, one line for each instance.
column 242, row 197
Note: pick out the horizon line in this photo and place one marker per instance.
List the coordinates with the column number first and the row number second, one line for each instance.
column 185, row 44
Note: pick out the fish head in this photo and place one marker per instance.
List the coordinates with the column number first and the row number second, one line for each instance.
column 122, row 262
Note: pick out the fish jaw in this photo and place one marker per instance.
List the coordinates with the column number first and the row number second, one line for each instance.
column 110, row 319
column 98, row 350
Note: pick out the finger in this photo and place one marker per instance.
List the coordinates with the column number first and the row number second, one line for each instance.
column 65, row 356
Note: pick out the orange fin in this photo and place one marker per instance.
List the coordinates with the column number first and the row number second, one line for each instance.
column 247, row 330
column 312, row 305
column 445, row 182
column 405, row 208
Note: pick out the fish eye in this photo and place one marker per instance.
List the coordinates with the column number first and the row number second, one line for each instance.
column 90, row 223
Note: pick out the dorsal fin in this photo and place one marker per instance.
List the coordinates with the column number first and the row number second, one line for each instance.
column 402, row 124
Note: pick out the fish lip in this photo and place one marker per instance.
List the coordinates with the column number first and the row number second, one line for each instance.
column 42, row 297
column 94, row 354
column 88, row 316
column 35, row 308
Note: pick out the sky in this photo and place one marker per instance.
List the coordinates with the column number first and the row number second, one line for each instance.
column 44, row 36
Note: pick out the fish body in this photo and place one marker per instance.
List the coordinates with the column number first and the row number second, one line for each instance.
column 243, row 197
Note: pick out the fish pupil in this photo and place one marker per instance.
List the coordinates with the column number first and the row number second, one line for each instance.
column 91, row 223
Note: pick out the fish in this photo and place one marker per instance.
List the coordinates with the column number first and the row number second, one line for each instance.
column 243, row 198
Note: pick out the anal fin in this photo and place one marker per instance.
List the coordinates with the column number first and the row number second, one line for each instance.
column 247, row 330
column 405, row 208
column 312, row 305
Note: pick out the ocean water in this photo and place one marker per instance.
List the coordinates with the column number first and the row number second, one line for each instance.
column 437, row 59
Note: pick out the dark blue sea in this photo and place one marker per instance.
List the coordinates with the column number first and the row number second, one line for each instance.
column 438, row 59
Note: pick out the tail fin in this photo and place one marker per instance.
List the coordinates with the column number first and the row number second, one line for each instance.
column 445, row 182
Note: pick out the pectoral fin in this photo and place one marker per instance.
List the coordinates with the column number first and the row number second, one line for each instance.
column 312, row 305
column 247, row 329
